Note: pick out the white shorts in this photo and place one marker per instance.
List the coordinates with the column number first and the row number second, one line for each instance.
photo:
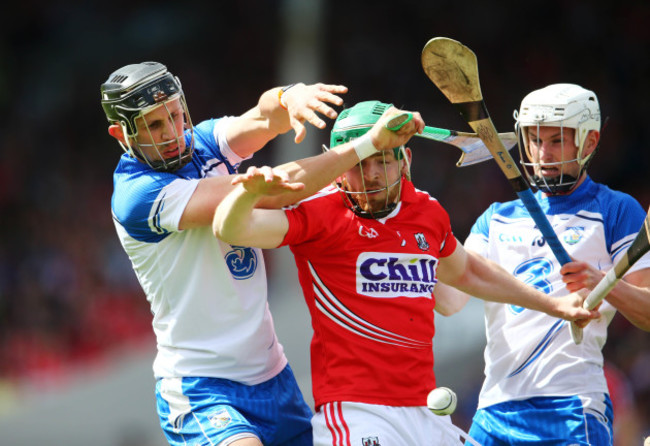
column 359, row 424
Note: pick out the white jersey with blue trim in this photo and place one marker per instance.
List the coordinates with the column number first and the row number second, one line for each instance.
column 208, row 299
column 530, row 353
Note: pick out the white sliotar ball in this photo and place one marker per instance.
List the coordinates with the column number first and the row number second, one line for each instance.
column 441, row 401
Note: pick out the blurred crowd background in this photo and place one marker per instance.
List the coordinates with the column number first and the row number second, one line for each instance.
column 68, row 295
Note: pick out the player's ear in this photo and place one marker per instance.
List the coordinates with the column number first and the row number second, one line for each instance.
column 116, row 132
column 592, row 142
column 406, row 164
column 409, row 154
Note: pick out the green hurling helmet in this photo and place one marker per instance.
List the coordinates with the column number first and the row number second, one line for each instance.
column 351, row 124
column 355, row 121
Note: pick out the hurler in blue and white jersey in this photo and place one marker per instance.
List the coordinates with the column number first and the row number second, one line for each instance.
column 222, row 376
column 540, row 387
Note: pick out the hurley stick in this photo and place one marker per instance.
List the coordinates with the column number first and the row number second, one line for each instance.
column 637, row 249
column 474, row 149
column 453, row 68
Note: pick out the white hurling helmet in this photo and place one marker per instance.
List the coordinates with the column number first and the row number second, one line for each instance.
column 563, row 106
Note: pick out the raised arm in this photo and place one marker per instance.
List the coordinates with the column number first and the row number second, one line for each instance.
column 237, row 222
column 279, row 110
column 318, row 171
column 483, row 278
column 274, row 114
column 314, row 172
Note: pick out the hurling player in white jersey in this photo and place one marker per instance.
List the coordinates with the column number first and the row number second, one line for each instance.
column 369, row 252
column 540, row 387
column 222, row 376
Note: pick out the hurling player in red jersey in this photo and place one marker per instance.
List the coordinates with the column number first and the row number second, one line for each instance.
column 369, row 251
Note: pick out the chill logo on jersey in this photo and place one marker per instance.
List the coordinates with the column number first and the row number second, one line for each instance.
column 242, row 262
column 506, row 238
column 389, row 275
column 573, row 234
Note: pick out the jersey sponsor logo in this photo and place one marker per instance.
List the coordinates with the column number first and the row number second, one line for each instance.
column 533, row 272
column 573, row 234
column 242, row 262
column 220, row 419
column 510, row 238
column 389, row 275
column 422, row 241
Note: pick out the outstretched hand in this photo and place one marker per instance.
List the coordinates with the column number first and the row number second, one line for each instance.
column 266, row 181
column 304, row 102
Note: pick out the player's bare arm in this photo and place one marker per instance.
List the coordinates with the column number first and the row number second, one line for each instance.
column 449, row 300
column 485, row 279
column 318, row 171
column 314, row 172
column 238, row 222
column 280, row 110
column 630, row 296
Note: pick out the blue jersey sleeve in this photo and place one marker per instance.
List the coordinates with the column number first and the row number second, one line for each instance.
column 623, row 220
column 211, row 147
column 149, row 204
column 478, row 238
column 482, row 225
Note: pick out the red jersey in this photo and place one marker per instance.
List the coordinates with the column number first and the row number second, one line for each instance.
column 369, row 288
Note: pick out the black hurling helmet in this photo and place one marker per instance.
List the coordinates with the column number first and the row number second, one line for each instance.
column 133, row 91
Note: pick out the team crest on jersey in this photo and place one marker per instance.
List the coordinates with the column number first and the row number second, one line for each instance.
column 242, row 262
column 573, row 234
column 220, row 419
column 389, row 275
column 422, row 241
column 370, row 441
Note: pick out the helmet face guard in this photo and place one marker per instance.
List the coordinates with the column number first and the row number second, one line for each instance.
column 565, row 106
column 351, row 124
column 135, row 90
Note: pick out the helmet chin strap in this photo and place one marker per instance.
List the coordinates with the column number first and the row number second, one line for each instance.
column 554, row 186
column 373, row 215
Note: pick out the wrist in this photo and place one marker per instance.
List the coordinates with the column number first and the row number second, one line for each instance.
column 364, row 147
column 281, row 99
column 244, row 195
